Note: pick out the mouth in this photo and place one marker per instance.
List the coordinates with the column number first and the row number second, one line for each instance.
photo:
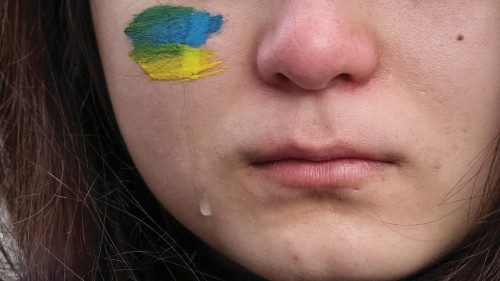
column 330, row 166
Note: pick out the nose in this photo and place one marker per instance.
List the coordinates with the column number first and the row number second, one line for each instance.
column 314, row 44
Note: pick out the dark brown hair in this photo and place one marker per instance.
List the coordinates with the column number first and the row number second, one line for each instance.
column 78, row 208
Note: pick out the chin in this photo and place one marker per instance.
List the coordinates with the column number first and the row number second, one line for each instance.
column 329, row 267
column 319, row 251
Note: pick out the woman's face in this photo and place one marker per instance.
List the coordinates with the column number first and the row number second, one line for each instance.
column 342, row 140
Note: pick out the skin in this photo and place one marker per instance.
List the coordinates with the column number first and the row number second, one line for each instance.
column 414, row 88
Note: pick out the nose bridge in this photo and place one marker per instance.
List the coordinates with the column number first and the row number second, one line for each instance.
column 314, row 42
column 310, row 24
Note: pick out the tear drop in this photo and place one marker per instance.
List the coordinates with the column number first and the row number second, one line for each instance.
column 205, row 207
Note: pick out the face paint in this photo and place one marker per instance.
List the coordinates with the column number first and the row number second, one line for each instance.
column 167, row 42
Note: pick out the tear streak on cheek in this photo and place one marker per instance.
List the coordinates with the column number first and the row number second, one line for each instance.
column 167, row 43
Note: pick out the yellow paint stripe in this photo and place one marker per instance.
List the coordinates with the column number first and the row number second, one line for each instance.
column 192, row 64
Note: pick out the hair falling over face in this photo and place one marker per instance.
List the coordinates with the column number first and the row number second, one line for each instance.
column 78, row 209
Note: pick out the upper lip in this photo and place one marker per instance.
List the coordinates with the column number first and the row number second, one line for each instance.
column 316, row 153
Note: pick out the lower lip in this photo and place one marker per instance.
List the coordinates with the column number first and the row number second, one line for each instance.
column 335, row 173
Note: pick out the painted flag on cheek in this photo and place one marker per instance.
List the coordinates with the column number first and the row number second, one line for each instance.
column 168, row 42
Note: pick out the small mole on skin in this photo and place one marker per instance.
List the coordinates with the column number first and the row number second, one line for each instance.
column 460, row 37
column 436, row 166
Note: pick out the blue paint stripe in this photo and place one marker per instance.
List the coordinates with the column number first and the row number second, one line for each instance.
column 215, row 24
column 197, row 34
column 192, row 30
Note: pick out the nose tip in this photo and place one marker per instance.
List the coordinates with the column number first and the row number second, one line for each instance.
column 313, row 46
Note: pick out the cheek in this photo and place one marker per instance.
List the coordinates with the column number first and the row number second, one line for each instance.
column 174, row 133
column 448, row 96
column 450, row 68
column 153, row 124
column 148, row 118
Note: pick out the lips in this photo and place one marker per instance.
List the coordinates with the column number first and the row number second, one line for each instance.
column 314, row 153
column 334, row 165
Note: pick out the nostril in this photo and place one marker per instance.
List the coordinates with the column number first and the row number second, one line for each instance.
column 344, row 76
column 282, row 80
column 282, row 77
